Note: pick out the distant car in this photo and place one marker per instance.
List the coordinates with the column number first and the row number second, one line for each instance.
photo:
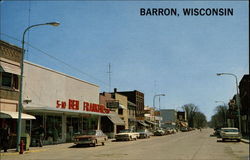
column 91, row 137
column 184, row 129
column 127, row 134
column 159, row 132
column 144, row 133
column 230, row 133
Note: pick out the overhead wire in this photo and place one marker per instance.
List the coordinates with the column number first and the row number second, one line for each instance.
column 57, row 59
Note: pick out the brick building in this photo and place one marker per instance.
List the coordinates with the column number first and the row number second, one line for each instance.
column 137, row 98
column 244, row 87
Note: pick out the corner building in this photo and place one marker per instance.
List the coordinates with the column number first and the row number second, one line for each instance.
column 64, row 105
column 10, row 71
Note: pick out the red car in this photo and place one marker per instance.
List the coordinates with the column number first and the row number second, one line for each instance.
column 91, row 137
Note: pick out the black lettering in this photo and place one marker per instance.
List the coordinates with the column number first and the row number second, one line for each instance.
column 215, row 12
column 160, row 11
column 173, row 11
column 208, row 12
column 166, row 12
column 230, row 12
column 154, row 12
column 202, row 11
column 186, row 11
column 142, row 11
column 148, row 12
column 196, row 12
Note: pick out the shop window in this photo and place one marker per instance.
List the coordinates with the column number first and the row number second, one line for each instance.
column 90, row 123
column 53, row 128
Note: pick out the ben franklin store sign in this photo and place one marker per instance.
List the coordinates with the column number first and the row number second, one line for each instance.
column 85, row 106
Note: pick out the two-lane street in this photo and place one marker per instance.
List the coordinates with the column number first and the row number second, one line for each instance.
column 183, row 145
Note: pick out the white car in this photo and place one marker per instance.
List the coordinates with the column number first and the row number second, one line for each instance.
column 230, row 133
column 127, row 134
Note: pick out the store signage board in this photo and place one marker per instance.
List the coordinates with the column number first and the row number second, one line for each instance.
column 84, row 106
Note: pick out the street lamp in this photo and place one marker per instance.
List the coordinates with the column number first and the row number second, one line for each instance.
column 237, row 95
column 155, row 97
column 20, row 106
column 225, row 117
column 154, row 103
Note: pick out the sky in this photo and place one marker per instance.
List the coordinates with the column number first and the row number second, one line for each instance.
column 178, row 56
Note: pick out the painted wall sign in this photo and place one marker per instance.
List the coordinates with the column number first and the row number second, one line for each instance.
column 86, row 106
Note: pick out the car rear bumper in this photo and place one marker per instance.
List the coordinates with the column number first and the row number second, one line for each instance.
column 231, row 137
column 84, row 142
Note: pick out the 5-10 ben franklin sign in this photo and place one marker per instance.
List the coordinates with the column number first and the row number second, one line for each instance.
column 84, row 106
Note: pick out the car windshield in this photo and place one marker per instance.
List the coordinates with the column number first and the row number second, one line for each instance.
column 230, row 130
column 89, row 132
column 141, row 130
column 125, row 130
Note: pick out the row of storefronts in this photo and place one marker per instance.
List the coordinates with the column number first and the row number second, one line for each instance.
column 62, row 104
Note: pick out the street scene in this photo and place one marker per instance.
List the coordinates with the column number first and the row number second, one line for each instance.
column 135, row 80
column 183, row 145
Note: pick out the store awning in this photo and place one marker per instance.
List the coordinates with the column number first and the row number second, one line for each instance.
column 121, row 106
column 14, row 115
column 183, row 124
column 151, row 122
column 116, row 119
column 142, row 123
column 10, row 68
column 35, row 108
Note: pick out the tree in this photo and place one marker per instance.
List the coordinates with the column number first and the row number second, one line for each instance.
column 200, row 120
column 219, row 118
column 190, row 110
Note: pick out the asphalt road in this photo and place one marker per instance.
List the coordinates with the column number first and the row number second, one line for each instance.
column 193, row 145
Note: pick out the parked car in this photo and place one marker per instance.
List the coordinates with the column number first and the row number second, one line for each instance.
column 127, row 134
column 168, row 131
column 91, row 137
column 159, row 132
column 173, row 130
column 144, row 133
column 230, row 133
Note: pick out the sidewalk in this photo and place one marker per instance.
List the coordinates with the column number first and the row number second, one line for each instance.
column 39, row 149
column 31, row 149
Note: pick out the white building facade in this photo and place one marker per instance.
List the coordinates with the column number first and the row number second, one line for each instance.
column 62, row 104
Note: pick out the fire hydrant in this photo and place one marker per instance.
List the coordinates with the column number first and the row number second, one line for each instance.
column 21, row 147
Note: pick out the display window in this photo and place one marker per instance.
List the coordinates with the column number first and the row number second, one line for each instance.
column 53, row 130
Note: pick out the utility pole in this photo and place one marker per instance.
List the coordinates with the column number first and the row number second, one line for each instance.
column 109, row 72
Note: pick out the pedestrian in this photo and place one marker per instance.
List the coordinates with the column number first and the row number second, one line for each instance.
column 5, row 135
column 41, row 135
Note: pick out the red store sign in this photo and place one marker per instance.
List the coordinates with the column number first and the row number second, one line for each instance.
column 86, row 106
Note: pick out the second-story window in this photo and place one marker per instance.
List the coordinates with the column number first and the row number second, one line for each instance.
column 120, row 111
column 9, row 80
column 6, row 79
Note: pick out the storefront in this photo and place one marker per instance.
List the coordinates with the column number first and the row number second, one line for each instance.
column 62, row 104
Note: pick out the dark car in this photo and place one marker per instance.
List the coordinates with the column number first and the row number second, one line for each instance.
column 217, row 132
column 184, row 129
column 91, row 137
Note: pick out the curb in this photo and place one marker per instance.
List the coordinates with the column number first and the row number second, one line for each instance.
column 244, row 141
column 17, row 153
